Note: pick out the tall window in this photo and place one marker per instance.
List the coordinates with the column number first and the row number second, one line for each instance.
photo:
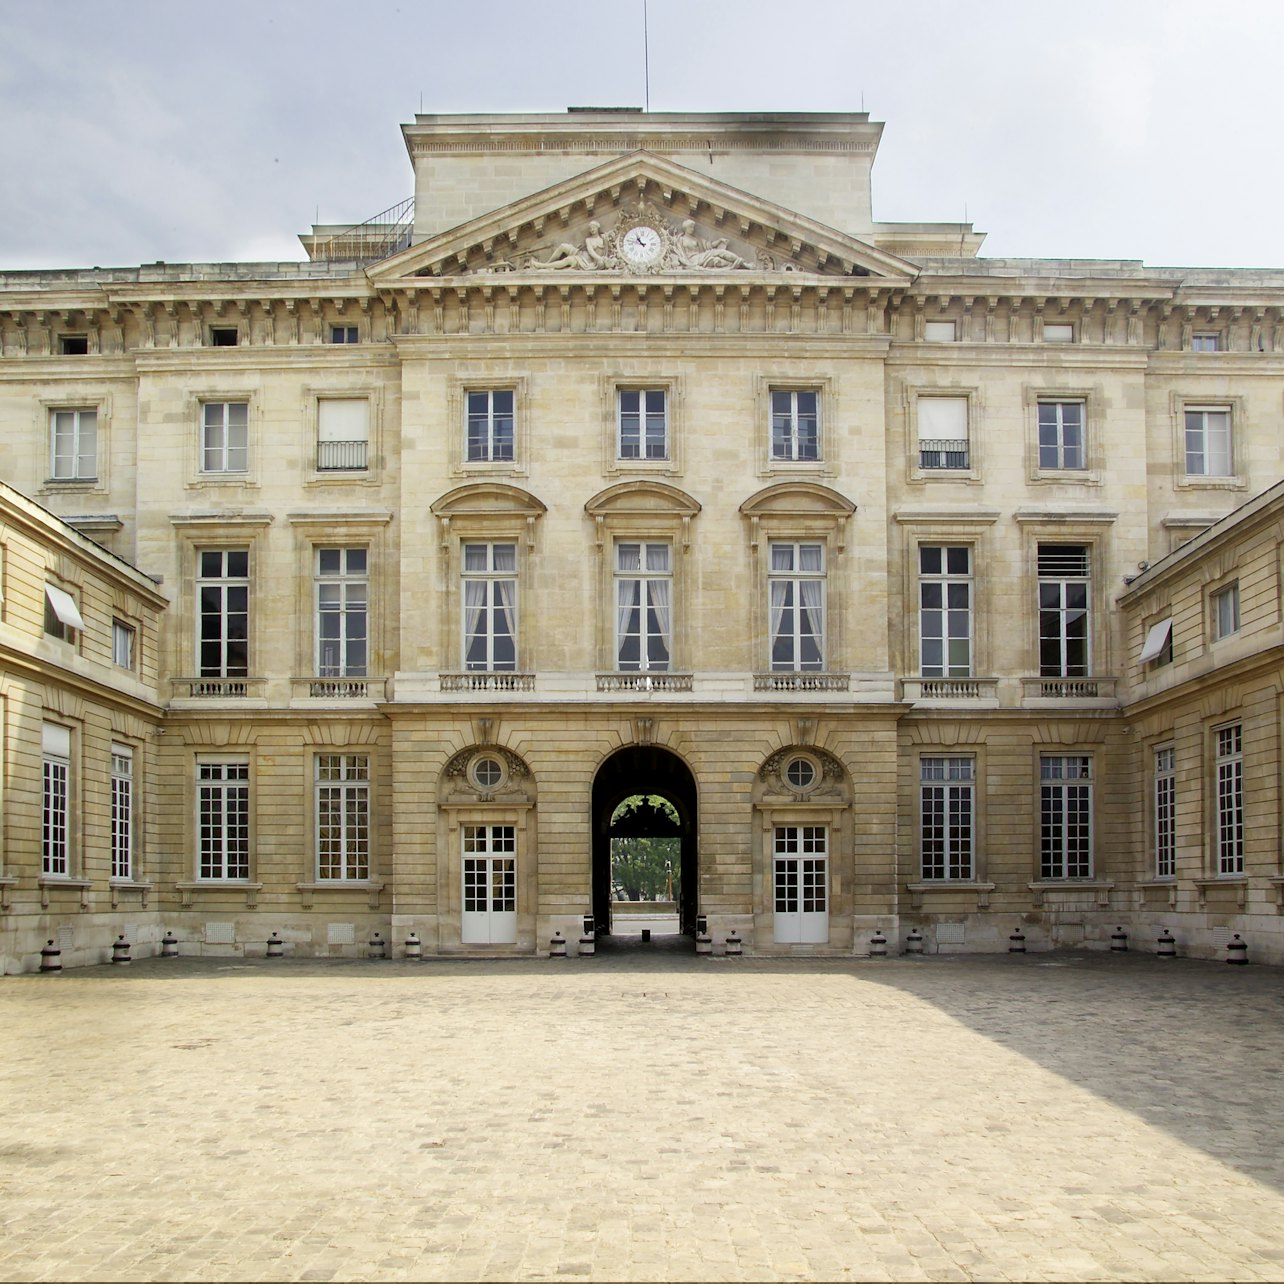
column 490, row 607
column 223, row 589
column 1064, row 638
column 643, row 594
column 801, row 884
column 1065, row 811
column 343, row 434
column 1230, row 800
column 343, row 816
column 1225, row 611
column 945, row 610
column 1061, row 434
column 490, row 885
column 123, row 639
column 643, row 423
column 490, row 426
column 225, row 436
column 947, row 799
column 795, row 424
column 122, row 811
column 942, row 432
column 796, row 585
column 342, row 599
column 1208, row 441
column 223, row 820
column 73, row 444
column 56, row 813
column 1165, row 817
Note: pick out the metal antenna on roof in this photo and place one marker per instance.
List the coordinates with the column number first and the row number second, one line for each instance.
column 646, row 59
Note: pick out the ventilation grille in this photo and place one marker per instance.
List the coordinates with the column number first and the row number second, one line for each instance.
column 950, row 933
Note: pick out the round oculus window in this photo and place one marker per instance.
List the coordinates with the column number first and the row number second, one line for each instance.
column 487, row 773
column 800, row 774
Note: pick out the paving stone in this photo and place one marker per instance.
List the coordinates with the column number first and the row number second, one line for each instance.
column 643, row 1119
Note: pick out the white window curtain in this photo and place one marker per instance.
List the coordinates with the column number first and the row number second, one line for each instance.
column 660, row 605
column 942, row 418
column 343, row 419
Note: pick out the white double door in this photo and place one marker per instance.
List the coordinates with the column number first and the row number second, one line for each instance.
column 801, row 878
column 490, row 885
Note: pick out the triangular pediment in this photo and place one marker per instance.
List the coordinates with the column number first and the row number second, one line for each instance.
column 643, row 217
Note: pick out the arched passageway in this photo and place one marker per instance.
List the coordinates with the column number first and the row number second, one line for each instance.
column 645, row 770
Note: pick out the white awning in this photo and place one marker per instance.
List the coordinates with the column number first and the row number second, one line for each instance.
column 1156, row 640
column 64, row 607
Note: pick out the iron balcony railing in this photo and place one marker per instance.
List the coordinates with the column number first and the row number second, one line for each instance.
column 349, row 456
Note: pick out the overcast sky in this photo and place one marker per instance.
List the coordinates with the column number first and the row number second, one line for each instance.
column 138, row 130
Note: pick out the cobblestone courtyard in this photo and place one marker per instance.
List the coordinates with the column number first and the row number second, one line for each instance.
column 644, row 1115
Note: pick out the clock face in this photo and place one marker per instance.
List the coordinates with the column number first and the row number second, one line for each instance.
column 641, row 245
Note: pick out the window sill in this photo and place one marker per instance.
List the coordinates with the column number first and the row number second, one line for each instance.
column 957, row 887
column 371, row 888
column 119, row 885
column 1042, row 887
column 1236, row 882
column 1199, row 482
column 187, row 891
column 48, row 882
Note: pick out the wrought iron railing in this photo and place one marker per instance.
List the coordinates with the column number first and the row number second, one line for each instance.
column 346, row 455
column 942, row 452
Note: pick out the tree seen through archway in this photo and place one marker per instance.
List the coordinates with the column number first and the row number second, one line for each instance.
column 646, row 865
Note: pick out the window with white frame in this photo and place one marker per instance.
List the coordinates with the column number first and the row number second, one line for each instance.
column 344, row 334
column 1061, row 435
column 62, row 616
column 489, row 868
column 491, row 432
column 1064, row 585
column 795, row 424
column 643, row 423
column 1224, row 609
column 225, row 436
column 947, row 806
column 123, row 639
column 801, row 884
column 1208, row 441
column 343, row 434
column 73, row 444
column 223, row 820
column 1065, row 816
column 490, row 607
column 644, row 606
column 223, row 625
column 1058, row 332
column 1209, row 341
column 1165, row 812
column 796, row 600
column 122, row 811
column 1230, row 799
column 940, row 331
column 55, row 861
column 945, row 610
column 342, row 596
column 343, row 816
column 943, row 432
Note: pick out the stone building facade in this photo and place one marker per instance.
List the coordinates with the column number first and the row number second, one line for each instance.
column 646, row 461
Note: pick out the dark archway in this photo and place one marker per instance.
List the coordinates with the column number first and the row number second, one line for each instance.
column 645, row 769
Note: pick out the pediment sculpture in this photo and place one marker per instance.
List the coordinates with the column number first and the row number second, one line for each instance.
column 642, row 240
